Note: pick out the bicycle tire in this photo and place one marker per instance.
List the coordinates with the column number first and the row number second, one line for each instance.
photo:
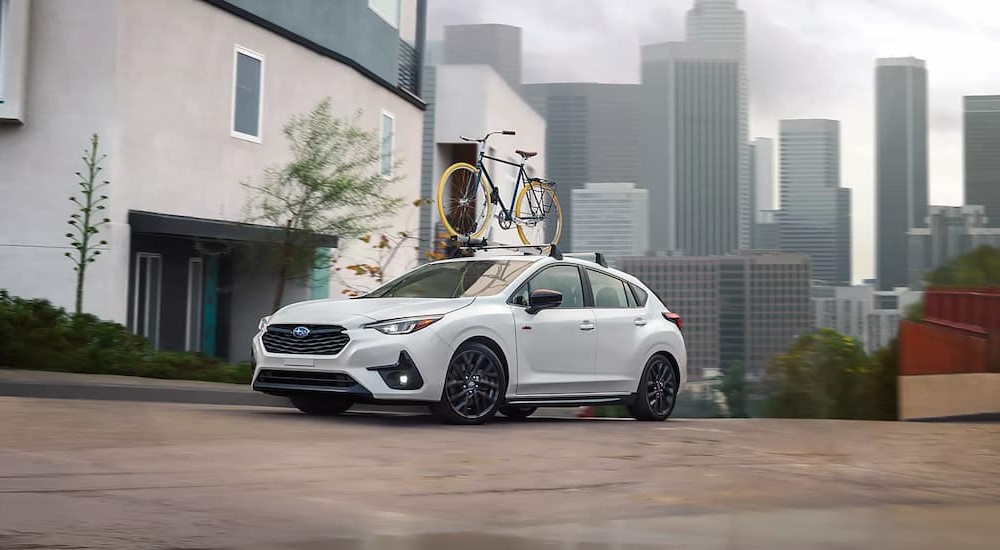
column 480, row 220
column 539, row 202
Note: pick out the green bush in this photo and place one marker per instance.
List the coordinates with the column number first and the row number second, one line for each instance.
column 36, row 335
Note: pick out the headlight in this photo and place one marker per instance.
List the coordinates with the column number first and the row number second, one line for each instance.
column 403, row 326
column 262, row 324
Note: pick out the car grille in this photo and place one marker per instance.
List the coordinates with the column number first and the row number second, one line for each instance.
column 322, row 340
column 305, row 378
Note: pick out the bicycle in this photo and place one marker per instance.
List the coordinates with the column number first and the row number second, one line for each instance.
column 465, row 198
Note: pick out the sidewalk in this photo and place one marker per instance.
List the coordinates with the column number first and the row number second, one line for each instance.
column 105, row 387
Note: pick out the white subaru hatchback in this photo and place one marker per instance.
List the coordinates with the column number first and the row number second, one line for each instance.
column 471, row 337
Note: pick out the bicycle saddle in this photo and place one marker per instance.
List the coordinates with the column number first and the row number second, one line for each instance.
column 526, row 154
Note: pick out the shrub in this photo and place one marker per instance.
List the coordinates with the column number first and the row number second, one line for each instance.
column 36, row 335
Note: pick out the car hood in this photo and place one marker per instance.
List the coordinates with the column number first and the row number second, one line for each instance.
column 358, row 311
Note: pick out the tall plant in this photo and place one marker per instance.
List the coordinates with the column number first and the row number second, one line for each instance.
column 332, row 186
column 86, row 220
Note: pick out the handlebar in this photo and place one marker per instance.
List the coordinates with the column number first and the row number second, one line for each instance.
column 487, row 136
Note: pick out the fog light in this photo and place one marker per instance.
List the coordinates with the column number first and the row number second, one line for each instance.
column 401, row 376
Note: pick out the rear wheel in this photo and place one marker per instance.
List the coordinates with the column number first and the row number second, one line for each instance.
column 657, row 391
column 321, row 406
column 463, row 201
column 538, row 214
column 517, row 413
column 474, row 386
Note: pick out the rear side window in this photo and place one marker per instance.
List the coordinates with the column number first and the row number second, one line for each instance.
column 640, row 294
column 609, row 292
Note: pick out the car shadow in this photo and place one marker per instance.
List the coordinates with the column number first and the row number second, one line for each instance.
column 402, row 417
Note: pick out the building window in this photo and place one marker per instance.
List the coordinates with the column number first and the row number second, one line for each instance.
column 146, row 297
column 388, row 135
column 196, row 292
column 386, row 9
column 248, row 93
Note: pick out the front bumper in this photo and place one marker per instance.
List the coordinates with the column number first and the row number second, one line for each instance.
column 366, row 359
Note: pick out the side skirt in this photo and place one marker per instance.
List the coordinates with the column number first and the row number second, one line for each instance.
column 570, row 400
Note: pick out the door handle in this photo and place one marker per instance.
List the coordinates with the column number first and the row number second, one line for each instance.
column 639, row 322
column 587, row 325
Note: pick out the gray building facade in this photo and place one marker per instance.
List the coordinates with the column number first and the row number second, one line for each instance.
column 815, row 215
column 691, row 147
column 951, row 231
column 901, row 198
column 763, row 195
column 592, row 135
column 498, row 46
column 745, row 307
column 982, row 154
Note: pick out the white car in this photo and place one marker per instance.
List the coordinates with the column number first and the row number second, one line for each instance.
column 471, row 337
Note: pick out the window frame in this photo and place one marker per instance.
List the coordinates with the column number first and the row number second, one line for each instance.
column 237, row 50
column 3, row 48
column 392, row 144
column 588, row 297
column 152, row 334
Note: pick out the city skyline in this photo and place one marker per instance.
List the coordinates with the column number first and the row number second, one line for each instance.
column 800, row 66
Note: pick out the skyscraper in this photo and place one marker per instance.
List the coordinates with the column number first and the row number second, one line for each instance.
column 721, row 21
column 592, row 134
column 764, row 230
column 611, row 218
column 815, row 216
column 691, row 147
column 498, row 46
column 900, row 163
column 982, row 154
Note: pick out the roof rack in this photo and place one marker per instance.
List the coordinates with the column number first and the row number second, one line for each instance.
column 468, row 243
column 596, row 257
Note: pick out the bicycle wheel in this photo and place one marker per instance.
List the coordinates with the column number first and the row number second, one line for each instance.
column 538, row 214
column 463, row 206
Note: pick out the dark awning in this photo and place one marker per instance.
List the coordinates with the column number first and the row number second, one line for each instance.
column 186, row 226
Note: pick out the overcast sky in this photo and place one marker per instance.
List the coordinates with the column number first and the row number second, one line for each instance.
column 807, row 59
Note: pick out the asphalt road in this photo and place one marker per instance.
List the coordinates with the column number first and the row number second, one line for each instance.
column 119, row 474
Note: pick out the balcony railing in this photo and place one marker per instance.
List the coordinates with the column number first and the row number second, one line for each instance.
column 408, row 69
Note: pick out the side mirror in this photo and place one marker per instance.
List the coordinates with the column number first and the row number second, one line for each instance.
column 543, row 299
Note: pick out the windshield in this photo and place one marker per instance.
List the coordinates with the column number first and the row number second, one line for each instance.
column 453, row 280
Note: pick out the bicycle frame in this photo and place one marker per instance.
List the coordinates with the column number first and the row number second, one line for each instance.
column 495, row 197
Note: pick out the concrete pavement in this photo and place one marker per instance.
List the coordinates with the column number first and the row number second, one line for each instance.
column 102, row 474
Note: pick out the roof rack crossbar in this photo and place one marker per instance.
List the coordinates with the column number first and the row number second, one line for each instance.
column 465, row 242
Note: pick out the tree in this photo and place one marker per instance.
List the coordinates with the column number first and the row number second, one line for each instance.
column 85, row 220
column 332, row 187
column 978, row 268
column 824, row 374
column 369, row 268
column 734, row 386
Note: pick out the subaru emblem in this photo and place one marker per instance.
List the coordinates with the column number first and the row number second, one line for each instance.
column 300, row 332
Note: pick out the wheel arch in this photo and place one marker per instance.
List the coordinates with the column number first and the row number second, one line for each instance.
column 494, row 347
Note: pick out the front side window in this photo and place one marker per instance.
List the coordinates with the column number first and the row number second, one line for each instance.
column 453, row 280
column 386, row 143
column 564, row 279
column 609, row 292
column 248, row 79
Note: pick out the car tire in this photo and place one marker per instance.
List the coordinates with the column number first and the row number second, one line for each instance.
column 474, row 386
column 657, row 392
column 321, row 406
column 517, row 413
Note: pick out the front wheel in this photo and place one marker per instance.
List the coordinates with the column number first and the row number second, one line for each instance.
column 657, row 391
column 474, row 386
column 538, row 214
column 463, row 201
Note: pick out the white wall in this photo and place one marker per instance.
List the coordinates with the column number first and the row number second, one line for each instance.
column 155, row 79
column 473, row 100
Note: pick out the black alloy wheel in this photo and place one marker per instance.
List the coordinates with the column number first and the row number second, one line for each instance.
column 657, row 392
column 474, row 386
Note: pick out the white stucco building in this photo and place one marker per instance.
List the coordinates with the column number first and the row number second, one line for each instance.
column 189, row 98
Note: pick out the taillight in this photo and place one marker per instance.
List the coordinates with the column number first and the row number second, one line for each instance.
column 674, row 318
